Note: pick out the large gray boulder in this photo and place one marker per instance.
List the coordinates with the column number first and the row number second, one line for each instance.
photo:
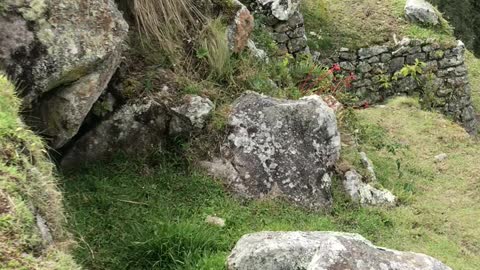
column 420, row 11
column 321, row 251
column 280, row 148
column 135, row 129
column 63, row 53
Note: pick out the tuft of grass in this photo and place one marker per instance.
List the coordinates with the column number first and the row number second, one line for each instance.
column 27, row 186
column 214, row 45
column 167, row 23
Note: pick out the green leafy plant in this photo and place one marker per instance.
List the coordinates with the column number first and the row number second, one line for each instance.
column 414, row 71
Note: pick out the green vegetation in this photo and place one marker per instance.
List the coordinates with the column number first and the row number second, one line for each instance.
column 473, row 65
column 464, row 16
column 356, row 24
column 149, row 214
column 27, row 184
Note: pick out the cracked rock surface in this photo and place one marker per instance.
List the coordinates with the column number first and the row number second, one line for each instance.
column 280, row 148
column 321, row 251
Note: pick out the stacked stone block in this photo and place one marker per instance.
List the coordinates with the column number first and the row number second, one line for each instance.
column 285, row 22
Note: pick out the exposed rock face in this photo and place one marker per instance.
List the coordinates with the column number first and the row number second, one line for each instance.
column 420, row 11
column 321, row 251
column 241, row 28
column 281, row 9
column 64, row 52
column 286, row 22
column 192, row 114
column 135, row 129
column 364, row 193
column 280, row 148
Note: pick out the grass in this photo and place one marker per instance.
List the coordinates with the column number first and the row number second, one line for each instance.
column 473, row 65
column 356, row 24
column 27, row 184
column 150, row 214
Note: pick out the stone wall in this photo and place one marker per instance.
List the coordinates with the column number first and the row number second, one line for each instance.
column 447, row 89
column 284, row 21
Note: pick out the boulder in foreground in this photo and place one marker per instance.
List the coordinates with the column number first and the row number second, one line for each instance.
column 280, row 148
column 321, row 251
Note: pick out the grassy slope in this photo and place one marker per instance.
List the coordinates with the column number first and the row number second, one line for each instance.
column 135, row 215
column 153, row 218
column 360, row 23
column 473, row 65
column 26, row 181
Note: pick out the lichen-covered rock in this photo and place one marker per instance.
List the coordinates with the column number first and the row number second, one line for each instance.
column 63, row 52
column 420, row 11
column 241, row 28
column 191, row 114
column 364, row 193
column 135, row 129
column 280, row 148
column 281, row 9
column 321, row 251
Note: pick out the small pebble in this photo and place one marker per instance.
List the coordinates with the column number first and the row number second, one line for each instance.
column 440, row 157
column 215, row 221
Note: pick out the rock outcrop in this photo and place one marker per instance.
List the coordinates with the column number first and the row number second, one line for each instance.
column 190, row 115
column 238, row 33
column 420, row 11
column 135, row 129
column 364, row 193
column 321, row 251
column 280, row 148
column 63, row 53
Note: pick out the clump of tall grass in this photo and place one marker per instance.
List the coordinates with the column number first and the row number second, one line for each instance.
column 168, row 24
column 214, row 48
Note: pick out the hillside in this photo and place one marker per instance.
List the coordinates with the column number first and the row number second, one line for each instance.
column 147, row 145
column 29, row 196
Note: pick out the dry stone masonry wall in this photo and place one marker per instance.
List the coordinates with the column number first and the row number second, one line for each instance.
column 285, row 22
column 444, row 83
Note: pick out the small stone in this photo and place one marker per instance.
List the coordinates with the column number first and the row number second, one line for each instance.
column 411, row 59
column 441, row 157
column 364, row 193
column 297, row 44
column 348, row 66
column 364, row 53
column 367, row 163
column 396, row 64
column 215, row 221
column 385, row 57
column 364, row 67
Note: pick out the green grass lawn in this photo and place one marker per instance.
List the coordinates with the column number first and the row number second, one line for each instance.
column 150, row 214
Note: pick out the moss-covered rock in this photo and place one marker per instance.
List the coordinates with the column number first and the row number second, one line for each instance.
column 55, row 45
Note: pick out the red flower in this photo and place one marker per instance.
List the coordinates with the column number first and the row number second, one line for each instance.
column 336, row 67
